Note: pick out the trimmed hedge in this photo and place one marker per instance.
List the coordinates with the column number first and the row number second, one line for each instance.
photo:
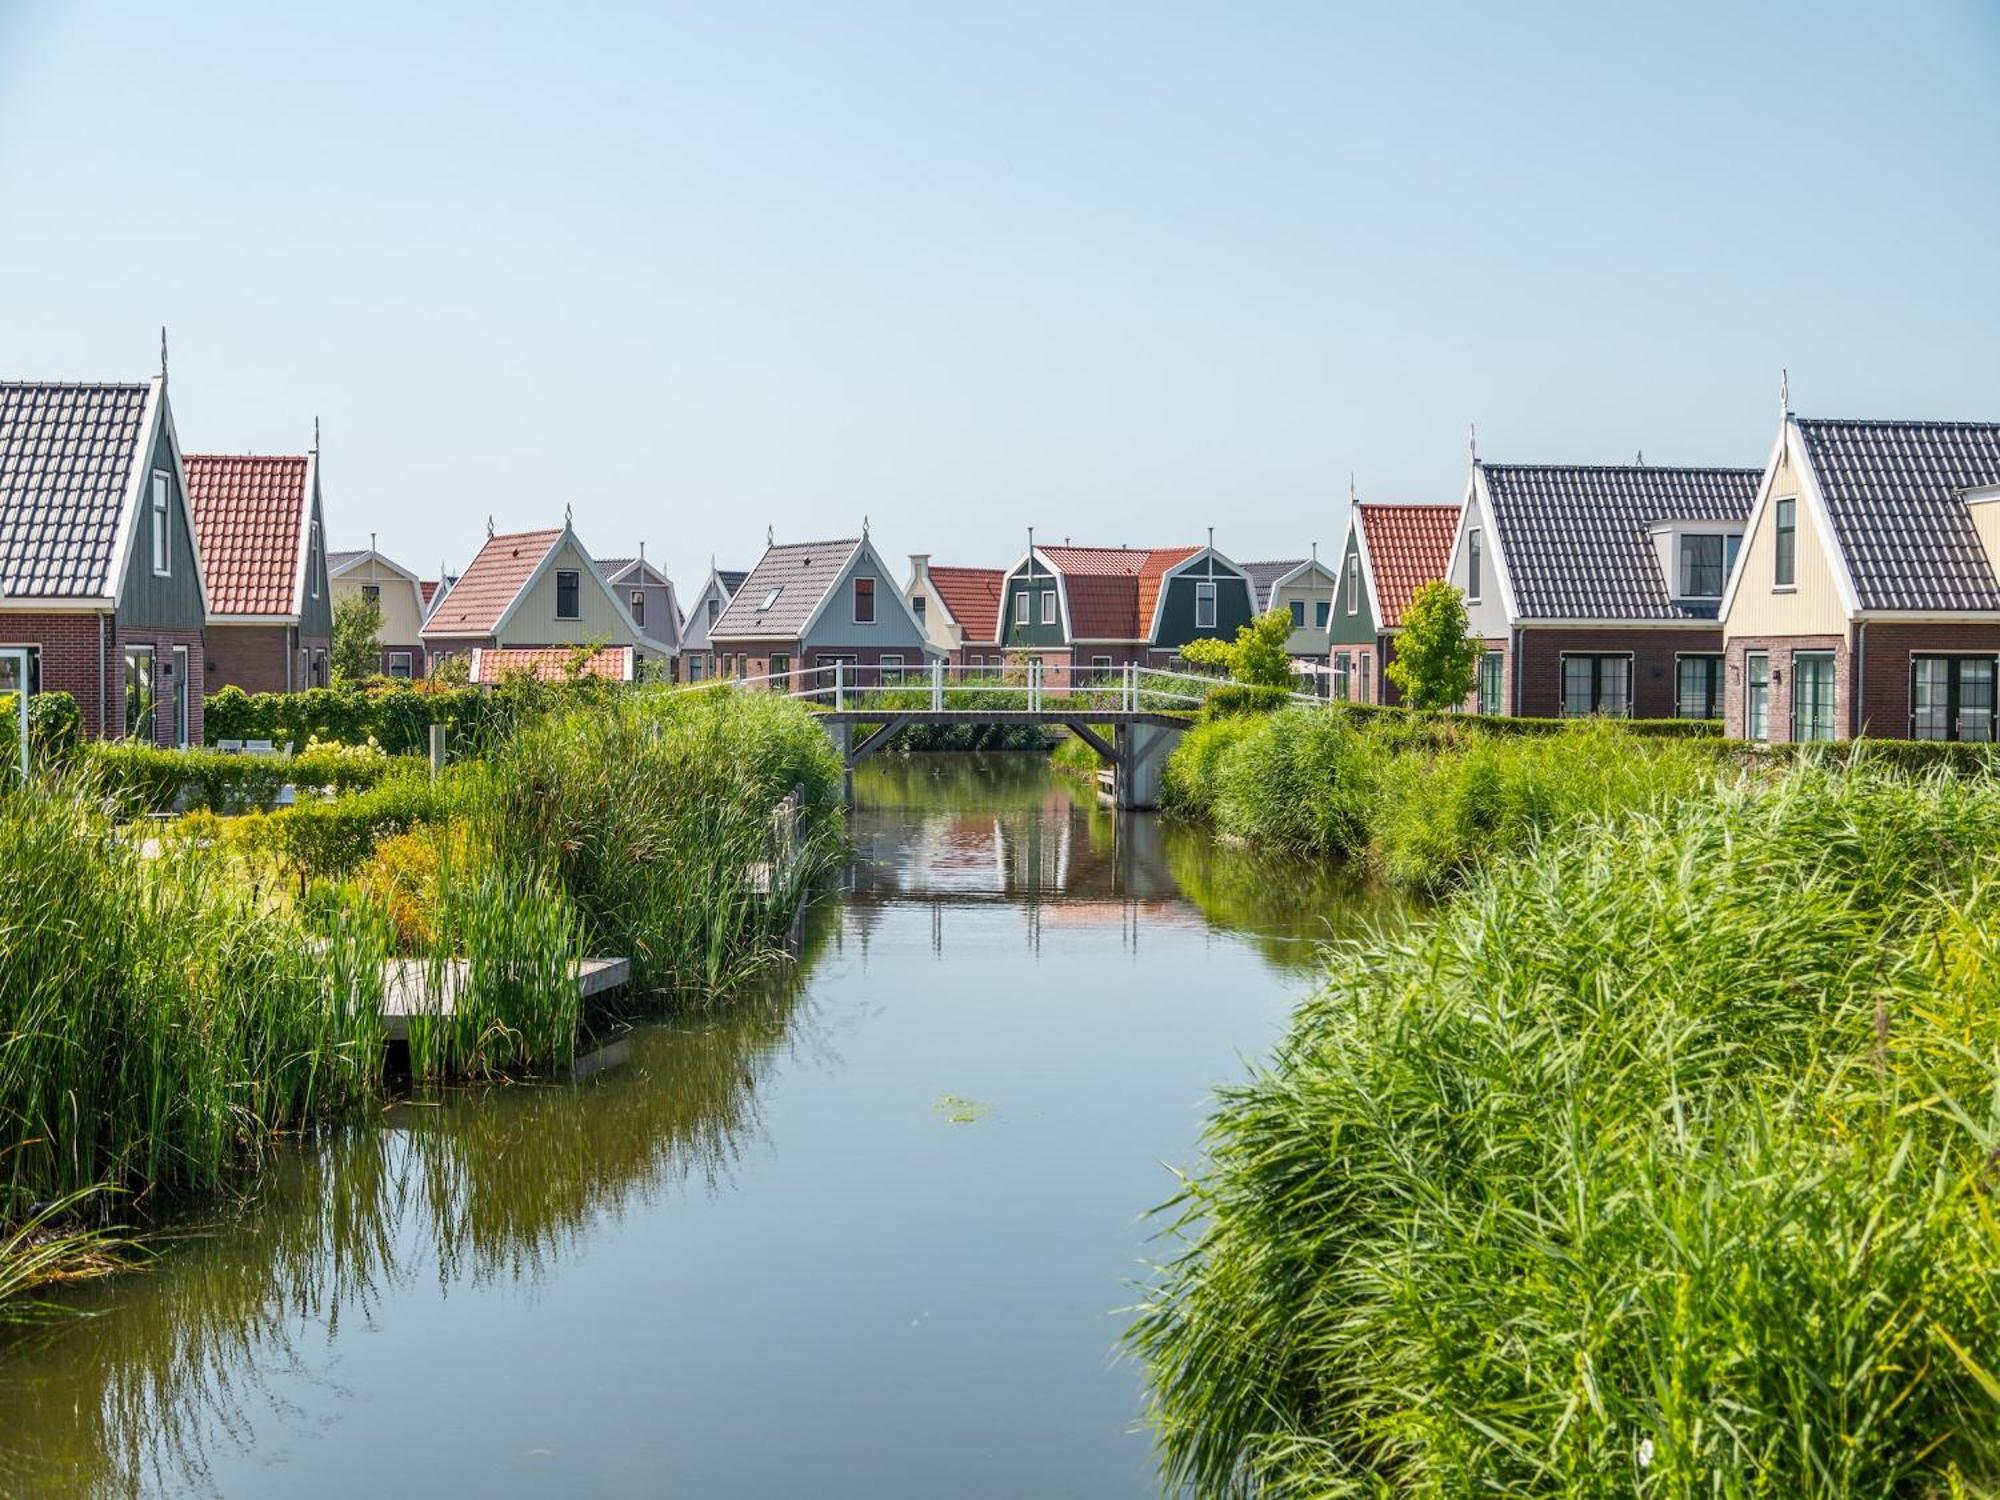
column 396, row 715
column 334, row 838
column 1654, row 729
column 146, row 779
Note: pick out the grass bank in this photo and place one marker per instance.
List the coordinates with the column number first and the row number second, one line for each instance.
column 1422, row 801
column 1661, row 1164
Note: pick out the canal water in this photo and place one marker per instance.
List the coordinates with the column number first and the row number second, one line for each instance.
column 866, row 1233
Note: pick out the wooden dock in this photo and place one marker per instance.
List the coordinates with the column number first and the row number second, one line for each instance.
column 406, row 984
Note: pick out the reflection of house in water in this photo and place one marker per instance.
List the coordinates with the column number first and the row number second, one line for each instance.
column 1059, row 862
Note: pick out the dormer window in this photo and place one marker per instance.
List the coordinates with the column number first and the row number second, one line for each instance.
column 714, row 610
column 569, row 602
column 770, row 598
column 1701, row 567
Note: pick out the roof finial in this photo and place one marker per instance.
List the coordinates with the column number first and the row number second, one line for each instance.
column 1472, row 439
column 489, row 524
column 642, row 549
column 1351, row 497
column 1211, row 538
column 1641, row 459
column 770, row 536
column 864, row 526
column 315, row 434
column 1315, row 551
column 1784, row 384
column 163, row 354
column 371, row 541
column 569, row 515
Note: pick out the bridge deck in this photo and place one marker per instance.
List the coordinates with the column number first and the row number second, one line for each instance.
column 1053, row 716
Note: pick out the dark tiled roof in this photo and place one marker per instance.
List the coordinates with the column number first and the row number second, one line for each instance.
column 731, row 579
column 1264, row 576
column 492, row 583
column 802, row 572
column 1892, row 489
column 66, row 457
column 335, row 561
column 1408, row 546
column 609, row 567
column 1575, row 542
column 248, row 512
column 973, row 597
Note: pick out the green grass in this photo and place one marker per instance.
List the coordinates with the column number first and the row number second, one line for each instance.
column 1661, row 1164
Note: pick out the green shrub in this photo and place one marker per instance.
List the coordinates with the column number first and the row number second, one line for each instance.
column 1233, row 698
column 397, row 715
column 333, row 838
column 1301, row 780
column 1190, row 779
column 1661, row 1164
column 55, row 728
column 146, row 779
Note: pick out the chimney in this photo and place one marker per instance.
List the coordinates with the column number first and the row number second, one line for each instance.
column 920, row 566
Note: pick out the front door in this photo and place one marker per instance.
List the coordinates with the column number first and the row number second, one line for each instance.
column 14, row 698
column 180, row 697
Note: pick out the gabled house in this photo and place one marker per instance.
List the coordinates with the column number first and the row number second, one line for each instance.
column 263, row 550
column 650, row 600
column 714, row 596
column 102, row 594
column 1391, row 552
column 533, row 590
column 1597, row 588
column 1867, row 599
column 807, row 606
column 397, row 592
column 1091, row 610
column 959, row 609
column 1304, row 588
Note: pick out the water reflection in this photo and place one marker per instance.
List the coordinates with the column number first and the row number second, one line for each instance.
column 648, row 1255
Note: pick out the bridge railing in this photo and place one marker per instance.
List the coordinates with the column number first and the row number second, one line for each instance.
column 1057, row 687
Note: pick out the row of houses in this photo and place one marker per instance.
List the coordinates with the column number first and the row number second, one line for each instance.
column 1851, row 585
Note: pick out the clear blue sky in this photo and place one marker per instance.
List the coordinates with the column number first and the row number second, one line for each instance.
column 1120, row 271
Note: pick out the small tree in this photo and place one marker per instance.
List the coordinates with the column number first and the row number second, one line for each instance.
column 1257, row 655
column 357, row 644
column 1437, row 661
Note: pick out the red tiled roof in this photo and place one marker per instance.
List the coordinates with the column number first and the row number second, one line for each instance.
column 430, row 588
column 1408, row 546
column 248, row 512
column 973, row 597
column 1112, row 590
column 492, row 582
column 493, row 665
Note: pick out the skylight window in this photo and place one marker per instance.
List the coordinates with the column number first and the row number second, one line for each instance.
column 770, row 598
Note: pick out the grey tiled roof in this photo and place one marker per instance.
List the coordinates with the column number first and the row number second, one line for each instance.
column 1574, row 538
column 609, row 567
column 1892, row 489
column 731, row 579
column 338, row 560
column 1265, row 575
column 802, row 572
column 66, row 458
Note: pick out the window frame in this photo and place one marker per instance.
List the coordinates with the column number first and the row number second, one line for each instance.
column 150, row 654
column 183, row 706
column 1474, row 569
column 1023, row 605
column 1353, row 584
column 863, row 589
column 1204, row 594
column 312, row 560
column 1597, row 659
column 1714, row 686
column 1298, row 612
column 409, row 665
column 638, row 607
column 778, row 667
column 1757, row 711
column 1832, row 697
column 889, row 669
column 714, row 611
column 1343, row 674
column 1322, row 614
column 1049, row 612
column 1484, row 703
column 572, row 578
column 1685, row 566
column 1785, row 543
column 1954, row 663
column 372, row 592
column 163, row 549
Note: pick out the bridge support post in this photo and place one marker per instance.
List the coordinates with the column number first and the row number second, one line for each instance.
column 1142, row 757
column 842, row 736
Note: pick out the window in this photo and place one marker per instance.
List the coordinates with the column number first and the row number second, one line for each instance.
column 1364, row 676
column 695, row 664
column 1492, row 683
column 1298, row 614
column 864, row 601
column 372, row 592
column 1698, row 687
column 312, row 560
column 1100, row 668
column 714, row 609
column 1204, row 606
column 163, row 489
column 892, row 670
column 399, row 664
column 1785, row 555
column 1343, row 670
column 1321, row 609
column 180, row 691
column 1597, row 685
column 917, row 603
column 1951, row 698
column 1757, row 697
column 639, row 608
column 781, row 672
column 1471, row 567
column 138, row 691
column 569, row 605
column 1812, row 694
column 1021, row 607
column 1701, row 567
column 1731, row 545
column 319, row 669
column 1048, row 606
column 1353, row 581
column 770, row 598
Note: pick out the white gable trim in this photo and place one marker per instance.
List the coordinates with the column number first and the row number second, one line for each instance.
column 1310, row 565
column 1496, row 550
column 1367, row 564
column 1186, row 564
column 308, row 513
column 1791, row 443
column 158, row 414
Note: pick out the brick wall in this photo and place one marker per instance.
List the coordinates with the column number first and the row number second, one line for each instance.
column 251, row 657
column 1652, row 652
column 416, row 659
column 1780, row 648
column 1884, row 652
column 69, row 645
